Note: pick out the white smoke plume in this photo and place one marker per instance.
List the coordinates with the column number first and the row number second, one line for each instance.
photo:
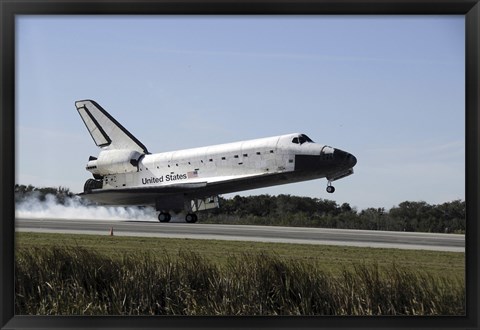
column 74, row 208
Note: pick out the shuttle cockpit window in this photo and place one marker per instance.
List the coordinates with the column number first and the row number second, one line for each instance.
column 301, row 139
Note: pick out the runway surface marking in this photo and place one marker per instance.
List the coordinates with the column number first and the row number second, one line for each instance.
column 293, row 235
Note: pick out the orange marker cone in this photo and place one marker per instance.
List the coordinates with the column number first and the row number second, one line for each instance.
column 111, row 231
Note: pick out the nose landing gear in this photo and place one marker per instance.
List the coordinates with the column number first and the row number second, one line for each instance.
column 330, row 188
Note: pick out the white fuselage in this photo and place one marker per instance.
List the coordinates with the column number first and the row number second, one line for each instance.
column 239, row 160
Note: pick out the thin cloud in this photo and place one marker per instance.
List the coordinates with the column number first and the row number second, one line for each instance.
column 297, row 56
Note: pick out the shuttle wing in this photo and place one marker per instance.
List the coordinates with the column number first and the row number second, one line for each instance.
column 143, row 195
column 146, row 195
column 105, row 130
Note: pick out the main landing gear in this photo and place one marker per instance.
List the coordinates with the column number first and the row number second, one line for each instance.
column 166, row 217
column 191, row 218
column 330, row 188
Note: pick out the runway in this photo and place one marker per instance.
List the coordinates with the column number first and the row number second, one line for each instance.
column 292, row 235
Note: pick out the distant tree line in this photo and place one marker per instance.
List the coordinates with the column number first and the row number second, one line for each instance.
column 287, row 210
column 61, row 194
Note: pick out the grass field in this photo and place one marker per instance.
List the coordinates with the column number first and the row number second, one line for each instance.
column 86, row 274
column 331, row 258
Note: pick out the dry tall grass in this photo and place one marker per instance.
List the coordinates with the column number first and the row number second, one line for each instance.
column 76, row 281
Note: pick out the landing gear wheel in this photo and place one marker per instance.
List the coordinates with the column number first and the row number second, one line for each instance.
column 164, row 217
column 330, row 189
column 191, row 218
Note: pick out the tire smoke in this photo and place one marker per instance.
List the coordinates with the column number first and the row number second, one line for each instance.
column 51, row 207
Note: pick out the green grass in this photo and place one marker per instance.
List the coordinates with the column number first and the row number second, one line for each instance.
column 331, row 258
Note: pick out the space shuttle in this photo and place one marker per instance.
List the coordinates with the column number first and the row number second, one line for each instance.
column 190, row 180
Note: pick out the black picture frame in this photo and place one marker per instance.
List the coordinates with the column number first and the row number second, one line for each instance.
column 10, row 8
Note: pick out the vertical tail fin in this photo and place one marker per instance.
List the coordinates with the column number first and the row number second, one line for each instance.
column 105, row 130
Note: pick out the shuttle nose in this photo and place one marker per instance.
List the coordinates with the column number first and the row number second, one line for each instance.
column 352, row 160
column 344, row 158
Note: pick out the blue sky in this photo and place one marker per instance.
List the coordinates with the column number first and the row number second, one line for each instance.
column 389, row 89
